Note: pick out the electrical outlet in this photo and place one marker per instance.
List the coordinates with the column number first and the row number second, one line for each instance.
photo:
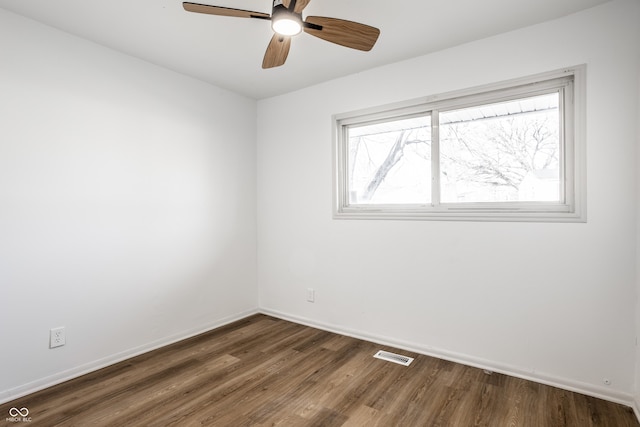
column 311, row 295
column 57, row 337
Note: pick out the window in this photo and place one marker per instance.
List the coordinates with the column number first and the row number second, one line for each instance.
column 510, row 152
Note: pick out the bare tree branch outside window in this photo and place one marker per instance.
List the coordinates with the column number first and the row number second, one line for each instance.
column 484, row 156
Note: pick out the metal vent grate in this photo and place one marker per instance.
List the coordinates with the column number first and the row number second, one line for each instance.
column 392, row 357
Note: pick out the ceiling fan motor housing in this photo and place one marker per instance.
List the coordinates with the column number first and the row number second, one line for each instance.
column 284, row 20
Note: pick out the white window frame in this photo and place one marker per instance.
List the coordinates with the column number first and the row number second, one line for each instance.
column 569, row 82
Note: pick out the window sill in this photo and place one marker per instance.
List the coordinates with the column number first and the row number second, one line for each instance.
column 476, row 214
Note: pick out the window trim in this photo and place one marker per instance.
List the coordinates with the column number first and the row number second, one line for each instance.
column 572, row 143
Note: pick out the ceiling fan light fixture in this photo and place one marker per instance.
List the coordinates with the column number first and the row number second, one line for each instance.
column 287, row 24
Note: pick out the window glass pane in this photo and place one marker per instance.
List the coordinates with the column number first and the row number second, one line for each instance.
column 390, row 162
column 502, row 152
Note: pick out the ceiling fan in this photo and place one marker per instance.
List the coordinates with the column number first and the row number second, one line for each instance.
column 286, row 22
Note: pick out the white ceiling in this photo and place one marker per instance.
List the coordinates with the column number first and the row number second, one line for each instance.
column 228, row 52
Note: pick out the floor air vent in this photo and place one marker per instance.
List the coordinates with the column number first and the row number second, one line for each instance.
column 392, row 357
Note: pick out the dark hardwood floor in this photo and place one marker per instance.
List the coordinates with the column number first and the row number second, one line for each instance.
column 262, row 371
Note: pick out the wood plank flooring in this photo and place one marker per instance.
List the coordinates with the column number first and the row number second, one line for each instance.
column 262, row 371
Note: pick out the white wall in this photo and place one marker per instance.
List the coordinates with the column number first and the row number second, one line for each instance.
column 127, row 205
column 465, row 290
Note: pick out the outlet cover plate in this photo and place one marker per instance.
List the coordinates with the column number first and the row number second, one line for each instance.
column 57, row 337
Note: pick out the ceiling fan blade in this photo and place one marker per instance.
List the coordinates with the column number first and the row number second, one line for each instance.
column 223, row 11
column 345, row 33
column 300, row 5
column 277, row 51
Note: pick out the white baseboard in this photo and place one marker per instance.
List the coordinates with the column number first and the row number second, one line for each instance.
column 636, row 407
column 60, row 377
column 514, row 371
